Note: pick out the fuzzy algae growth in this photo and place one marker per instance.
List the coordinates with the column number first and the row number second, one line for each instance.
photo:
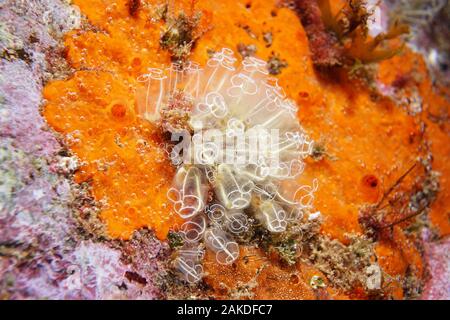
column 363, row 136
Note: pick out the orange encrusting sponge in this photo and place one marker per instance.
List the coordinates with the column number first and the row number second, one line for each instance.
column 121, row 155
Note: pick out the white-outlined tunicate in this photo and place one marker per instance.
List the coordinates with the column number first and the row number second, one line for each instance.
column 239, row 157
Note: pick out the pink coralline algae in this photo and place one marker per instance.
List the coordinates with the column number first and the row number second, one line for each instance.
column 437, row 255
column 44, row 252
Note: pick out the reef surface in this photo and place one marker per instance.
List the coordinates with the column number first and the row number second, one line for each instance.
column 83, row 179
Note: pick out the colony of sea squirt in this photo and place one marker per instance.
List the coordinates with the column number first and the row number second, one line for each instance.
column 240, row 151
